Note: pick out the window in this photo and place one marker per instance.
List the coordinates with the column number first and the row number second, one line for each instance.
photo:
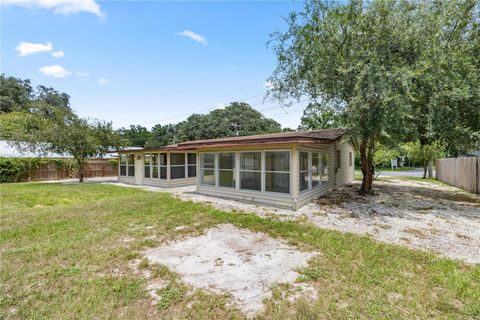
column 192, row 165
column 277, row 171
column 251, row 170
column 123, row 164
column 131, row 165
column 207, row 169
column 339, row 159
column 177, row 165
column 350, row 159
column 226, row 168
column 155, row 166
column 146, row 165
column 324, row 164
column 316, row 169
column 163, row 166
column 313, row 172
column 304, row 172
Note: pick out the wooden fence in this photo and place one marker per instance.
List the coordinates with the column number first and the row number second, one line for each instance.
column 460, row 172
column 94, row 168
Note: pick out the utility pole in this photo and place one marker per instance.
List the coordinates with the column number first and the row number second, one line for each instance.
column 236, row 127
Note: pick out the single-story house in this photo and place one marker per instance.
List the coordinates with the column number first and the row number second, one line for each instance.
column 287, row 169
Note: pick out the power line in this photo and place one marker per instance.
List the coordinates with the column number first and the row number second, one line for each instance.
column 201, row 110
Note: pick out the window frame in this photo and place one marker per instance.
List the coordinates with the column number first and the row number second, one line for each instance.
column 219, row 169
column 203, row 168
column 130, row 165
column 321, row 182
column 237, row 170
column 261, row 170
column 184, row 165
column 307, row 171
column 265, row 171
column 149, row 165
column 191, row 165
column 160, row 165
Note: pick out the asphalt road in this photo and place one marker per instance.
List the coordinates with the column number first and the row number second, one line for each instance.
column 411, row 173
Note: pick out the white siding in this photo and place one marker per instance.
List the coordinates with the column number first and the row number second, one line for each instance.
column 269, row 198
column 346, row 173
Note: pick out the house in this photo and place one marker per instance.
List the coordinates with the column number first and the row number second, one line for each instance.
column 287, row 169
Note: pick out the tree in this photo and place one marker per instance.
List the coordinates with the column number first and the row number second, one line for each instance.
column 383, row 155
column 78, row 137
column 399, row 69
column 320, row 116
column 135, row 136
column 238, row 118
column 162, row 135
column 353, row 53
column 14, row 94
column 423, row 153
column 444, row 80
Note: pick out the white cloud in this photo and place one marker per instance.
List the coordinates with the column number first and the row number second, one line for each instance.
column 58, row 54
column 60, row 6
column 56, row 71
column 103, row 81
column 82, row 74
column 27, row 48
column 194, row 36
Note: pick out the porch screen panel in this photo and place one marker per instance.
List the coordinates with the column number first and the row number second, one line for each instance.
column 226, row 168
column 123, row 164
column 277, row 171
column 146, row 165
column 251, row 170
column 131, row 165
column 192, row 165
column 207, row 168
column 163, row 166
column 304, row 173
column 177, row 165
column 155, row 166
column 316, row 169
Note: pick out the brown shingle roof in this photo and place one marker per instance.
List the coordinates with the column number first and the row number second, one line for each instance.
column 314, row 136
column 318, row 136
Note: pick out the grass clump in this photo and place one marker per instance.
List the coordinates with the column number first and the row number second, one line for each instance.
column 171, row 294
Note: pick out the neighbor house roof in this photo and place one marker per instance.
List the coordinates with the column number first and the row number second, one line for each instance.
column 8, row 149
column 314, row 136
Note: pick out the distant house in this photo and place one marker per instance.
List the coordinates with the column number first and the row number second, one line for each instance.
column 9, row 150
column 287, row 169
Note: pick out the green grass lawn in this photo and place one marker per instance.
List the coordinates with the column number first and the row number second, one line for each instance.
column 65, row 253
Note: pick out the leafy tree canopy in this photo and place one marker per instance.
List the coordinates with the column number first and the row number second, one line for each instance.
column 42, row 120
column 377, row 58
column 238, row 118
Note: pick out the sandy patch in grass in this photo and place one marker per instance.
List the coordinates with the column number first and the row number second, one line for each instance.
column 417, row 214
column 232, row 261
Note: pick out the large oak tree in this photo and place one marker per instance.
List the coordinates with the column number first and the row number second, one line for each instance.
column 369, row 61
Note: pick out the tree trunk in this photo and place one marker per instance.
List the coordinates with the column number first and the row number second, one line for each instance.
column 80, row 170
column 424, row 170
column 366, row 159
column 430, row 169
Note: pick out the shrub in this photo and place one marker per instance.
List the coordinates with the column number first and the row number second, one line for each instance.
column 18, row 169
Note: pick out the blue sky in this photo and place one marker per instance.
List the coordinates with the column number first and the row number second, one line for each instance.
column 148, row 62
